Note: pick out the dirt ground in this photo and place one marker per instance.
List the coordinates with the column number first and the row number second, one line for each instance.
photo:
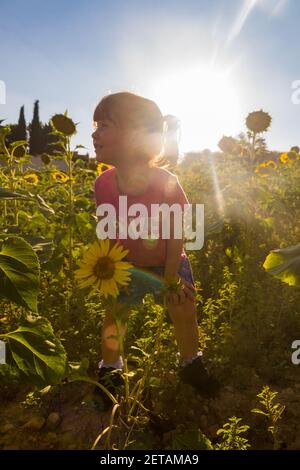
column 64, row 418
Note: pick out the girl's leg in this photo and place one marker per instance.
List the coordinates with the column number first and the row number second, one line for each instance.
column 110, row 344
column 184, row 318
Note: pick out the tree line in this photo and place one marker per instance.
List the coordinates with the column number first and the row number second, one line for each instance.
column 38, row 135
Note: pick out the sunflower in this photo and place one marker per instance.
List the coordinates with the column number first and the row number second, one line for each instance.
column 59, row 176
column 265, row 168
column 31, row 178
column 258, row 121
column 102, row 268
column 63, row 124
column 103, row 167
column 288, row 157
column 227, row 144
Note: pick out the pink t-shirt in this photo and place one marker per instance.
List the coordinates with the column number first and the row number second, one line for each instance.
column 163, row 187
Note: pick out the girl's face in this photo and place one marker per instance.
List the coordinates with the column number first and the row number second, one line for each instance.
column 111, row 143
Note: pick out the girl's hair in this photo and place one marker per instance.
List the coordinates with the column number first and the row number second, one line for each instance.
column 128, row 110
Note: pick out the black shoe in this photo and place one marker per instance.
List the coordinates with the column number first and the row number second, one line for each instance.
column 195, row 374
column 111, row 379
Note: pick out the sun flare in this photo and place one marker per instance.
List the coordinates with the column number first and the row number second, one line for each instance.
column 205, row 100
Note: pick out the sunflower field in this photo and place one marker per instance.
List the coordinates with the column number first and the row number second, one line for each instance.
column 56, row 279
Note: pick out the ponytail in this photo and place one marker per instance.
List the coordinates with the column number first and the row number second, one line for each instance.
column 170, row 153
column 171, row 150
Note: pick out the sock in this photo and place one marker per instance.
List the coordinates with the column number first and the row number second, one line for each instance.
column 116, row 365
column 185, row 362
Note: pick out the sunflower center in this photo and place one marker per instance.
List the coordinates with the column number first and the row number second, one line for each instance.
column 104, row 268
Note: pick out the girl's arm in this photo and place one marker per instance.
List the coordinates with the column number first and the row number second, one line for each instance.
column 173, row 258
column 173, row 255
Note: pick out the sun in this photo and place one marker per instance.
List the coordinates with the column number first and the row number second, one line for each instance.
column 205, row 99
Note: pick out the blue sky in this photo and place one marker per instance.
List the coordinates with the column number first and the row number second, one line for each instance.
column 68, row 54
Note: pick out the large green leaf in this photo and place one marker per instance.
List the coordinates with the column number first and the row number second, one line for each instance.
column 284, row 264
column 19, row 272
column 35, row 351
column 7, row 194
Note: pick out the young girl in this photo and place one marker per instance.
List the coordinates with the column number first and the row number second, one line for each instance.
column 130, row 135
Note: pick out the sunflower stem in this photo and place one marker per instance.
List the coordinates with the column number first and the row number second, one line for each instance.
column 68, row 159
column 155, row 348
column 121, row 346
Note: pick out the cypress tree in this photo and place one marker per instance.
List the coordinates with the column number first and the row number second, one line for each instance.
column 18, row 131
column 21, row 128
column 36, row 144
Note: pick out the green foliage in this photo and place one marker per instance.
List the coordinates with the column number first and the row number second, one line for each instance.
column 190, row 439
column 36, row 353
column 272, row 411
column 284, row 264
column 6, row 194
column 246, row 317
column 231, row 435
column 19, row 272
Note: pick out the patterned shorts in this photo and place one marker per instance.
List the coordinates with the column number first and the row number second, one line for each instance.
column 148, row 281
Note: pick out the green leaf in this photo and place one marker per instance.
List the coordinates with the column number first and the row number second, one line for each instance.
column 45, row 209
column 56, row 261
column 75, row 370
column 190, row 440
column 18, row 143
column 259, row 412
column 6, row 194
column 44, row 248
column 79, row 146
column 36, row 352
column 82, row 221
column 154, row 382
column 19, row 272
column 284, row 264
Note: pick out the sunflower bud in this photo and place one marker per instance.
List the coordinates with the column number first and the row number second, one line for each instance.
column 258, row 121
column 20, row 151
column 63, row 124
column 45, row 158
column 227, row 144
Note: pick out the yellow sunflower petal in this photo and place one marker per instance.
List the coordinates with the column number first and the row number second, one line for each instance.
column 122, row 273
column 83, row 271
column 104, row 246
column 85, row 283
column 122, row 281
column 109, row 287
column 123, row 265
column 118, row 252
column 94, row 250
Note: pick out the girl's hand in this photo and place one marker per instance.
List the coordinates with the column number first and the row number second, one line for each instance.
column 188, row 289
column 184, row 290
